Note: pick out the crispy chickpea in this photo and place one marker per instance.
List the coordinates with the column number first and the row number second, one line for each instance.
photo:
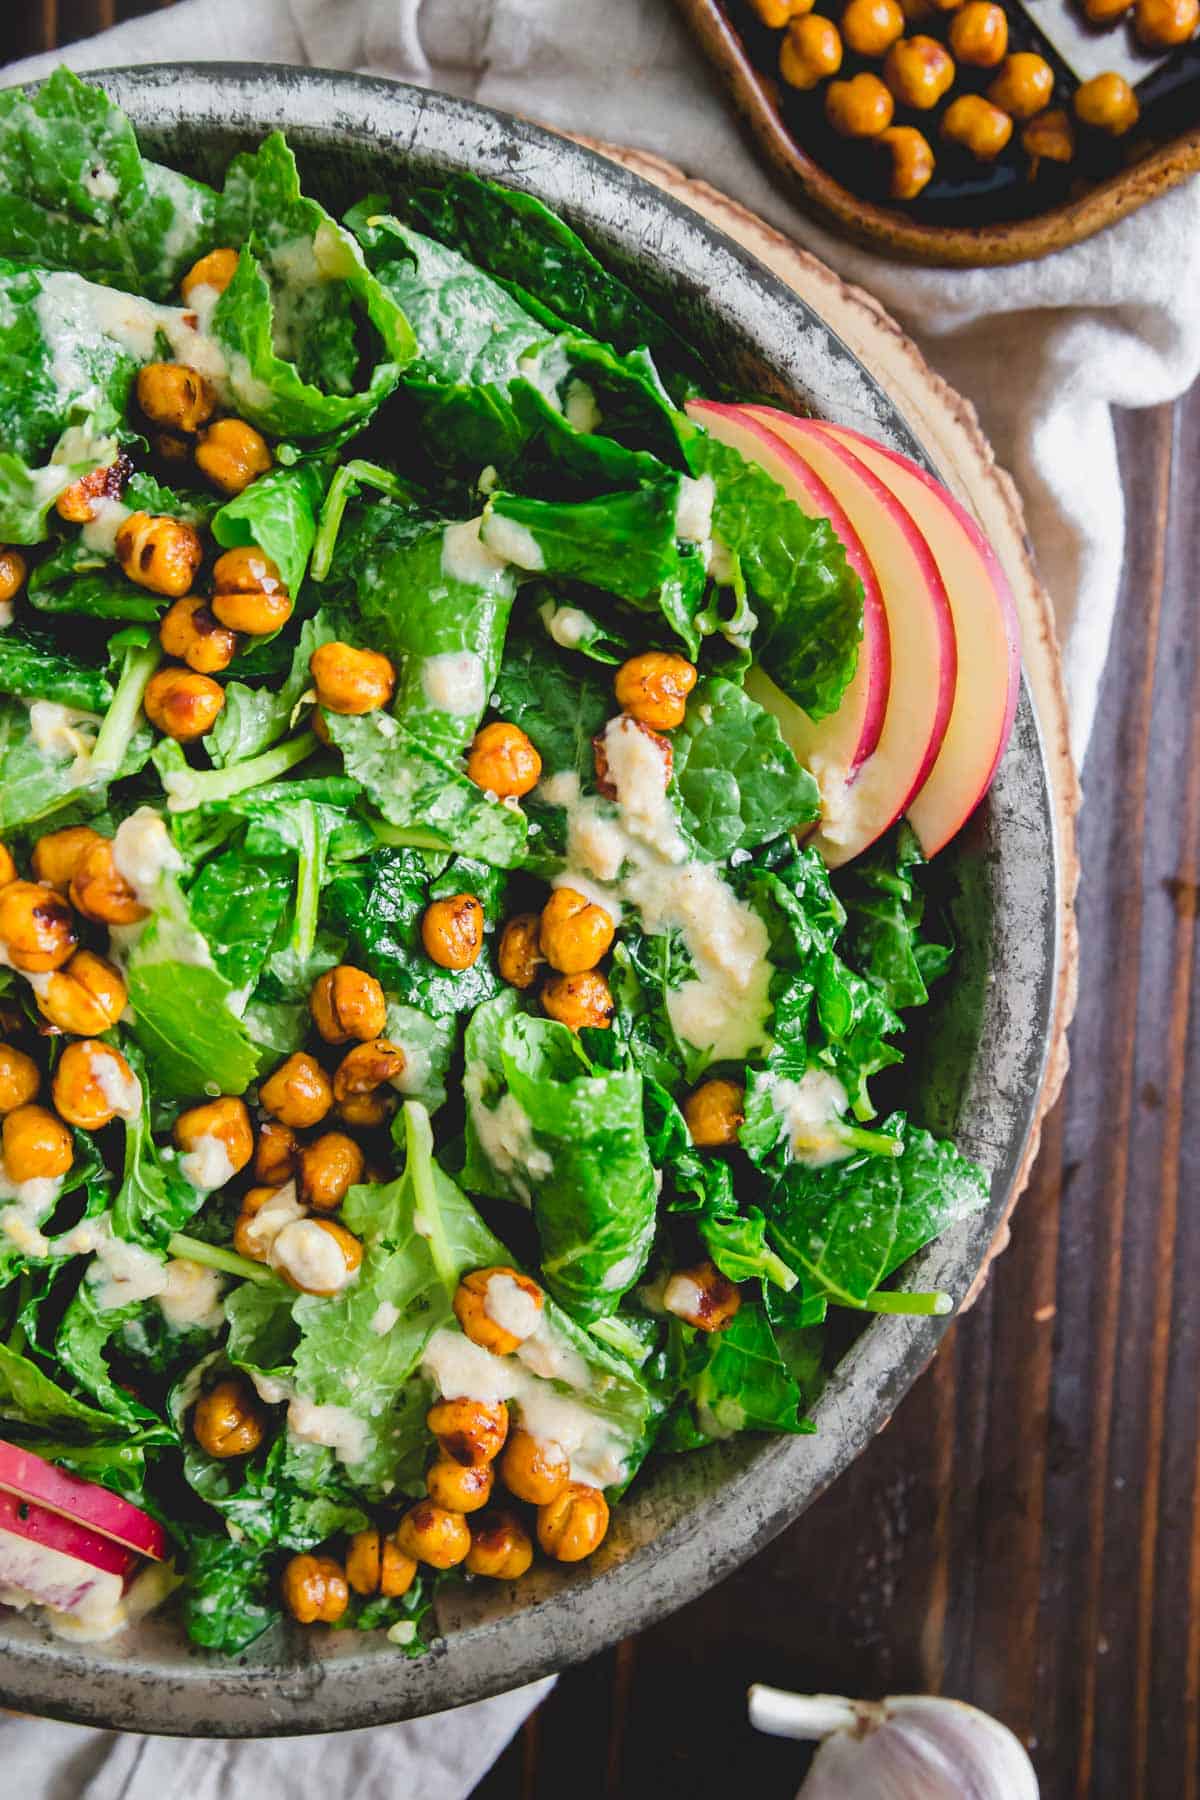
column 1161, row 24
column 37, row 927
column 215, row 271
column 19, row 1078
column 911, row 160
column 459, row 1487
column 347, row 1003
column 480, row 1308
column 469, row 1431
column 275, row 1153
column 871, row 27
column 653, row 688
column 503, row 762
column 375, row 1565
column 501, row 1548
column 579, row 1000
column 231, row 454
column 702, row 1297
column 776, row 13
column 77, row 503
column 248, row 592
column 225, row 1119
column 519, row 954
column 314, row 1589
column 859, row 108
column 367, row 1112
column 1107, row 103
column 979, row 34
column 713, row 1113
column 1023, row 84
column 228, row 1420
column 299, row 1093
column 159, row 553
column 316, row 1256
column 1049, row 137
column 534, row 1469
column 181, row 704
column 917, row 12
column 85, row 997
column 811, row 51
column 573, row 1524
column 366, row 1068
column 327, row 1169
column 12, row 573
column 918, row 70
column 99, row 891
column 351, row 681
column 248, row 1236
column 452, row 931
column 175, row 397
column 434, row 1535
column 57, row 855
column 90, row 1083
column 37, row 1146
column 574, row 932
column 191, row 631
column 977, row 125
column 8, row 868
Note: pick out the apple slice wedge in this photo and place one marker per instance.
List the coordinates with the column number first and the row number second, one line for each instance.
column 53, row 1561
column 32, row 1478
column 847, row 737
column 986, row 630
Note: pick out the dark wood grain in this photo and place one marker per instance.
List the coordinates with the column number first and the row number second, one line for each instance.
column 1026, row 1534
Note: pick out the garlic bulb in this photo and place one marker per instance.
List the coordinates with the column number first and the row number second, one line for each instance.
column 908, row 1747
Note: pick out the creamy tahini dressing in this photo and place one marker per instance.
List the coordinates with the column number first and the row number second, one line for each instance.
column 207, row 1164
column 454, row 682
column 65, row 732
column 465, row 558
column 505, row 1133
column 808, row 1108
column 507, row 1304
column 513, row 541
column 143, row 852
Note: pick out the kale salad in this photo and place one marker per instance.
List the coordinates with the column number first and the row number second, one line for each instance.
column 435, row 1074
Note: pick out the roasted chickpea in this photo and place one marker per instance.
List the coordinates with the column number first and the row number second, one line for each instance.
column 367, row 1112
column 275, row 1153
column 316, row 1256
column 452, row 931
column 1103, row 12
column 917, row 12
column 347, row 1003
column 702, row 1297
column 299, row 1093
column 977, row 125
column 911, row 160
column 918, row 70
column 519, row 954
column 653, row 688
column 77, row 503
column 351, row 681
column 579, row 1000
column 248, row 592
column 459, row 1487
column 57, row 855
column 99, row 891
column 979, row 34
column 871, row 27
column 624, row 727
column 1161, row 24
column 19, row 1078
column 498, row 1308
column 376, row 1565
column 534, row 1469
column 214, row 271
column 181, row 704
column 253, row 1236
column 503, row 761
column 776, row 13
column 1023, row 84
column 37, row 1146
column 327, row 1169
column 8, row 868
column 1049, row 137
column 314, row 1589
column 501, row 1548
column 231, row 454
column 37, row 927
column 1107, row 103
column 574, row 932
column 713, row 1113
column 191, row 631
column 12, row 573
column 859, row 108
column 225, row 1119
column 469, row 1431
column 811, row 51
column 159, row 553
column 175, row 397
column 433, row 1535
column 573, row 1524
column 92, row 1084
column 366, row 1068
column 85, row 997
column 228, row 1420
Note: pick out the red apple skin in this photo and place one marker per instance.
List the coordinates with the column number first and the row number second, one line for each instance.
column 987, row 629
column 25, row 1476
column 37, row 1525
column 850, row 735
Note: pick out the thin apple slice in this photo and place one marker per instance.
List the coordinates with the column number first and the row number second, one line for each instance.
column 847, row 737
column 43, row 1529
column 924, row 655
column 31, row 1477
column 987, row 632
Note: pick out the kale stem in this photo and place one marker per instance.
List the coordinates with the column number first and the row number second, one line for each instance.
column 213, row 1257
column 189, row 788
column 879, row 1143
column 344, row 484
column 120, row 721
column 933, row 1305
column 309, row 875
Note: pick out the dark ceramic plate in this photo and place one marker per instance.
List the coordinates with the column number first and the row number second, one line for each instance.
column 976, row 1071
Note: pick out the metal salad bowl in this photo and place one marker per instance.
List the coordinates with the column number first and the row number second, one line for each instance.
column 975, row 1059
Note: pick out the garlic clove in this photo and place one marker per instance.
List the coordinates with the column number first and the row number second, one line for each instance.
column 907, row 1747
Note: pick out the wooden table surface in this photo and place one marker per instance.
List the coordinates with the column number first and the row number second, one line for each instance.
column 1026, row 1534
